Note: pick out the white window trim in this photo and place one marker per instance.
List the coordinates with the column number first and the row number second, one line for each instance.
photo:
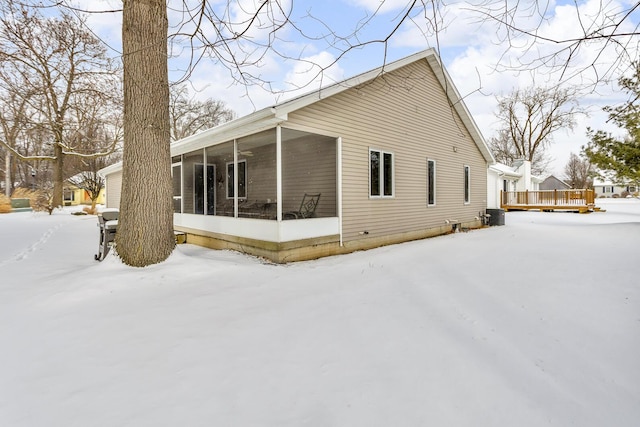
column 381, row 177
column 435, row 180
column 467, row 170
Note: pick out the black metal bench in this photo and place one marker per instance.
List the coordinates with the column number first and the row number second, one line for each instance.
column 108, row 223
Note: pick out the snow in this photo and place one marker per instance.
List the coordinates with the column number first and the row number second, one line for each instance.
column 533, row 323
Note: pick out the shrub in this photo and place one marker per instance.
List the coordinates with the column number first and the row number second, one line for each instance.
column 615, row 196
column 5, row 204
column 624, row 194
column 41, row 200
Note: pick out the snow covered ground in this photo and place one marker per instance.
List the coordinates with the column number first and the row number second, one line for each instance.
column 534, row 323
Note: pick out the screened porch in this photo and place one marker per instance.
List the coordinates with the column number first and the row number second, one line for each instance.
column 262, row 178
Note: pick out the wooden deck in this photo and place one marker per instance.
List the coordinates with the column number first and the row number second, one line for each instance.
column 582, row 201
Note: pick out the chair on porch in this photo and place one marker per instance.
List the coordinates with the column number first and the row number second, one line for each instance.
column 307, row 207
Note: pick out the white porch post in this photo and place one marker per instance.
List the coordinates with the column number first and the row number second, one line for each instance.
column 339, row 185
column 235, row 178
column 279, row 172
column 204, row 183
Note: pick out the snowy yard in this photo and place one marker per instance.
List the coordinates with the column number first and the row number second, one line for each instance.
column 534, row 323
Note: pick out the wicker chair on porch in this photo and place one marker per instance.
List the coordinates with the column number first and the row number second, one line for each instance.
column 307, row 207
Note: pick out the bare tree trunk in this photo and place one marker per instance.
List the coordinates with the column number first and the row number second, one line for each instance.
column 145, row 230
column 58, row 176
column 7, row 174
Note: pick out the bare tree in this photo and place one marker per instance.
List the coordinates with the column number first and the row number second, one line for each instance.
column 601, row 44
column 504, row 151
column 529, row 117
column 189, row 116
column 578, row 172
column 49, row 63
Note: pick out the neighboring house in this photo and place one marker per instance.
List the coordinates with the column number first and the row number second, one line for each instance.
column 501, row 177
column 74, row 196
column 553, row 183
column 393, row 153
column 609, row 188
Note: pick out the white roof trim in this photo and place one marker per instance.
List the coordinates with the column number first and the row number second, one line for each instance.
column 271, row 116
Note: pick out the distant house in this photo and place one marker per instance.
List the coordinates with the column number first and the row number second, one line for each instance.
column 553, row 183
column 501, row 177
column 610, row 188
column 73, row 195
column 387, row 156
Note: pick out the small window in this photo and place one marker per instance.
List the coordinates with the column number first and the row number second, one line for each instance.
column 380, row 174
column 69, row 195
column 467, row 184
column 431, row 182
column 242, row 180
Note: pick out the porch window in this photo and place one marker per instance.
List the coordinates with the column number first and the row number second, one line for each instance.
column 431, row 182
column 380, row 173
column 467, row 184
column 242, row 180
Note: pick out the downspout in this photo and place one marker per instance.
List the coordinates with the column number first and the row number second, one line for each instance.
column 339, row 198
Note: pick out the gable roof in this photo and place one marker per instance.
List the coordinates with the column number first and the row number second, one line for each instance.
column 271, row 116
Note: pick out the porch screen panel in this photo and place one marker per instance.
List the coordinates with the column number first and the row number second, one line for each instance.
column 309, row 166
column 176, row 176
column 257, row 175
column 192, row 182
column 218, row 156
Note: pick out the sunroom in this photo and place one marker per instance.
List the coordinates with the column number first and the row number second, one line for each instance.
column 269, row 188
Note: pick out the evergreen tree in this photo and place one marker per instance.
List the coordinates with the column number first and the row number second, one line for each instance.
column 621, row 156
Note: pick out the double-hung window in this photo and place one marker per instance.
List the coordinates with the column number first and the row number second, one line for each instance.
column 380, row 173
column 431, row 182
column 467, row 184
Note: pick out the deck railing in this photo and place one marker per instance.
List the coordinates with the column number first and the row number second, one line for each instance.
column 551, row 199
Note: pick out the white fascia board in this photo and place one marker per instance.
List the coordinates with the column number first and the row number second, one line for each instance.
column 247, row 125
column 116, row 167
column 503, row 172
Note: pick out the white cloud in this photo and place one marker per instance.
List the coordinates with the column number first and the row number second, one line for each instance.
column 380, row 5
column 313, row 71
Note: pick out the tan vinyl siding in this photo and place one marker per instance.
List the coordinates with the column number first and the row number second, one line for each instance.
column 113, row 190
column 406, row 113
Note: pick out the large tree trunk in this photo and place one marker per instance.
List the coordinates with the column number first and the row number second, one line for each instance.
column 145, row 228
column 58, row 176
